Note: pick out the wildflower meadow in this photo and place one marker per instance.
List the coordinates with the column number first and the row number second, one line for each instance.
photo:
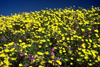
column 51, row 38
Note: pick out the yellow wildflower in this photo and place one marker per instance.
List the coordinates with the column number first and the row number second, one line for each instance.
column 83, row 30
column 40, row 46
column 47, row 53
column 1, row 63
column 12, row 49
column 50, row 43
column 59, row 62
column 71, row 63
column 97, row 35
column 13, row 58
column 10, row 44
column 66, row 59
column 20, row 40
column 50, row 61
column 2, row 55
column 6, row 50
column 60, row 51
column 72, row 58
column 90, row 64
column 41, row 66
column 39, row 53
column 98, row 58
column 96, row 31
column 20, row 64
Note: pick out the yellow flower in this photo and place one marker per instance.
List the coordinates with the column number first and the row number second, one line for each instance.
column 89, row 29
column 71, row 38
column 48, row 40
column 47, row 53
column 83, row 45
column 64, row 53
column 55, row 47
column 50, row 61
column 6, row 50
column 10, row 44
column 67, row 38
column 94, row 56
column 98, row 58
column 64, row 50
column 12, row 49
column 60, row 51
column 66, row 59
column 21, row 50
column 25, row 53
column 1, row 63
column 20, row 64
column 78, row 59
column 52, row 57
column 86, row 40
column 41, row 66
column 90, row 64
column 97, row 35
column 83, row 30
column 29, row 45
column 72, row 58
column 50, row 43
column 96, row 31
column 42, row 62
column 63, row 38
column 13, row 58
column 0, row 32
column 70, row 52
column 59, row 62
column 90, row 40
column 39, row 53
column 40, row 46
column 71, row 63
column 95, row 46
column 46, row 45
column 20, row 40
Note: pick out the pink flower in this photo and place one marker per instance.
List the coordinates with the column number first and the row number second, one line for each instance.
column 52, row 53
column 7, row 37
column 15, row 45
column 69, row 48
column 21, row 54
column 54, row 60
column 92, row 28
column 58, row 65
column 88, row 32
column 76, row 28
column 74, row 20
column 3, row 38
column 53, row 49
column 85, row 34
column 81, row 45
column 29, row 56
column 58, row 58
column 24, row 37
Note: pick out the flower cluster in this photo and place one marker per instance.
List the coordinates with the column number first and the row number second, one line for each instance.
column 49, row 38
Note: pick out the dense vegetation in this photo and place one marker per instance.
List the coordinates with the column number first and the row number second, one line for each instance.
column 51, row 38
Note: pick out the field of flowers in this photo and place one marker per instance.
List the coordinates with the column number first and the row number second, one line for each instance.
column 51, row 38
